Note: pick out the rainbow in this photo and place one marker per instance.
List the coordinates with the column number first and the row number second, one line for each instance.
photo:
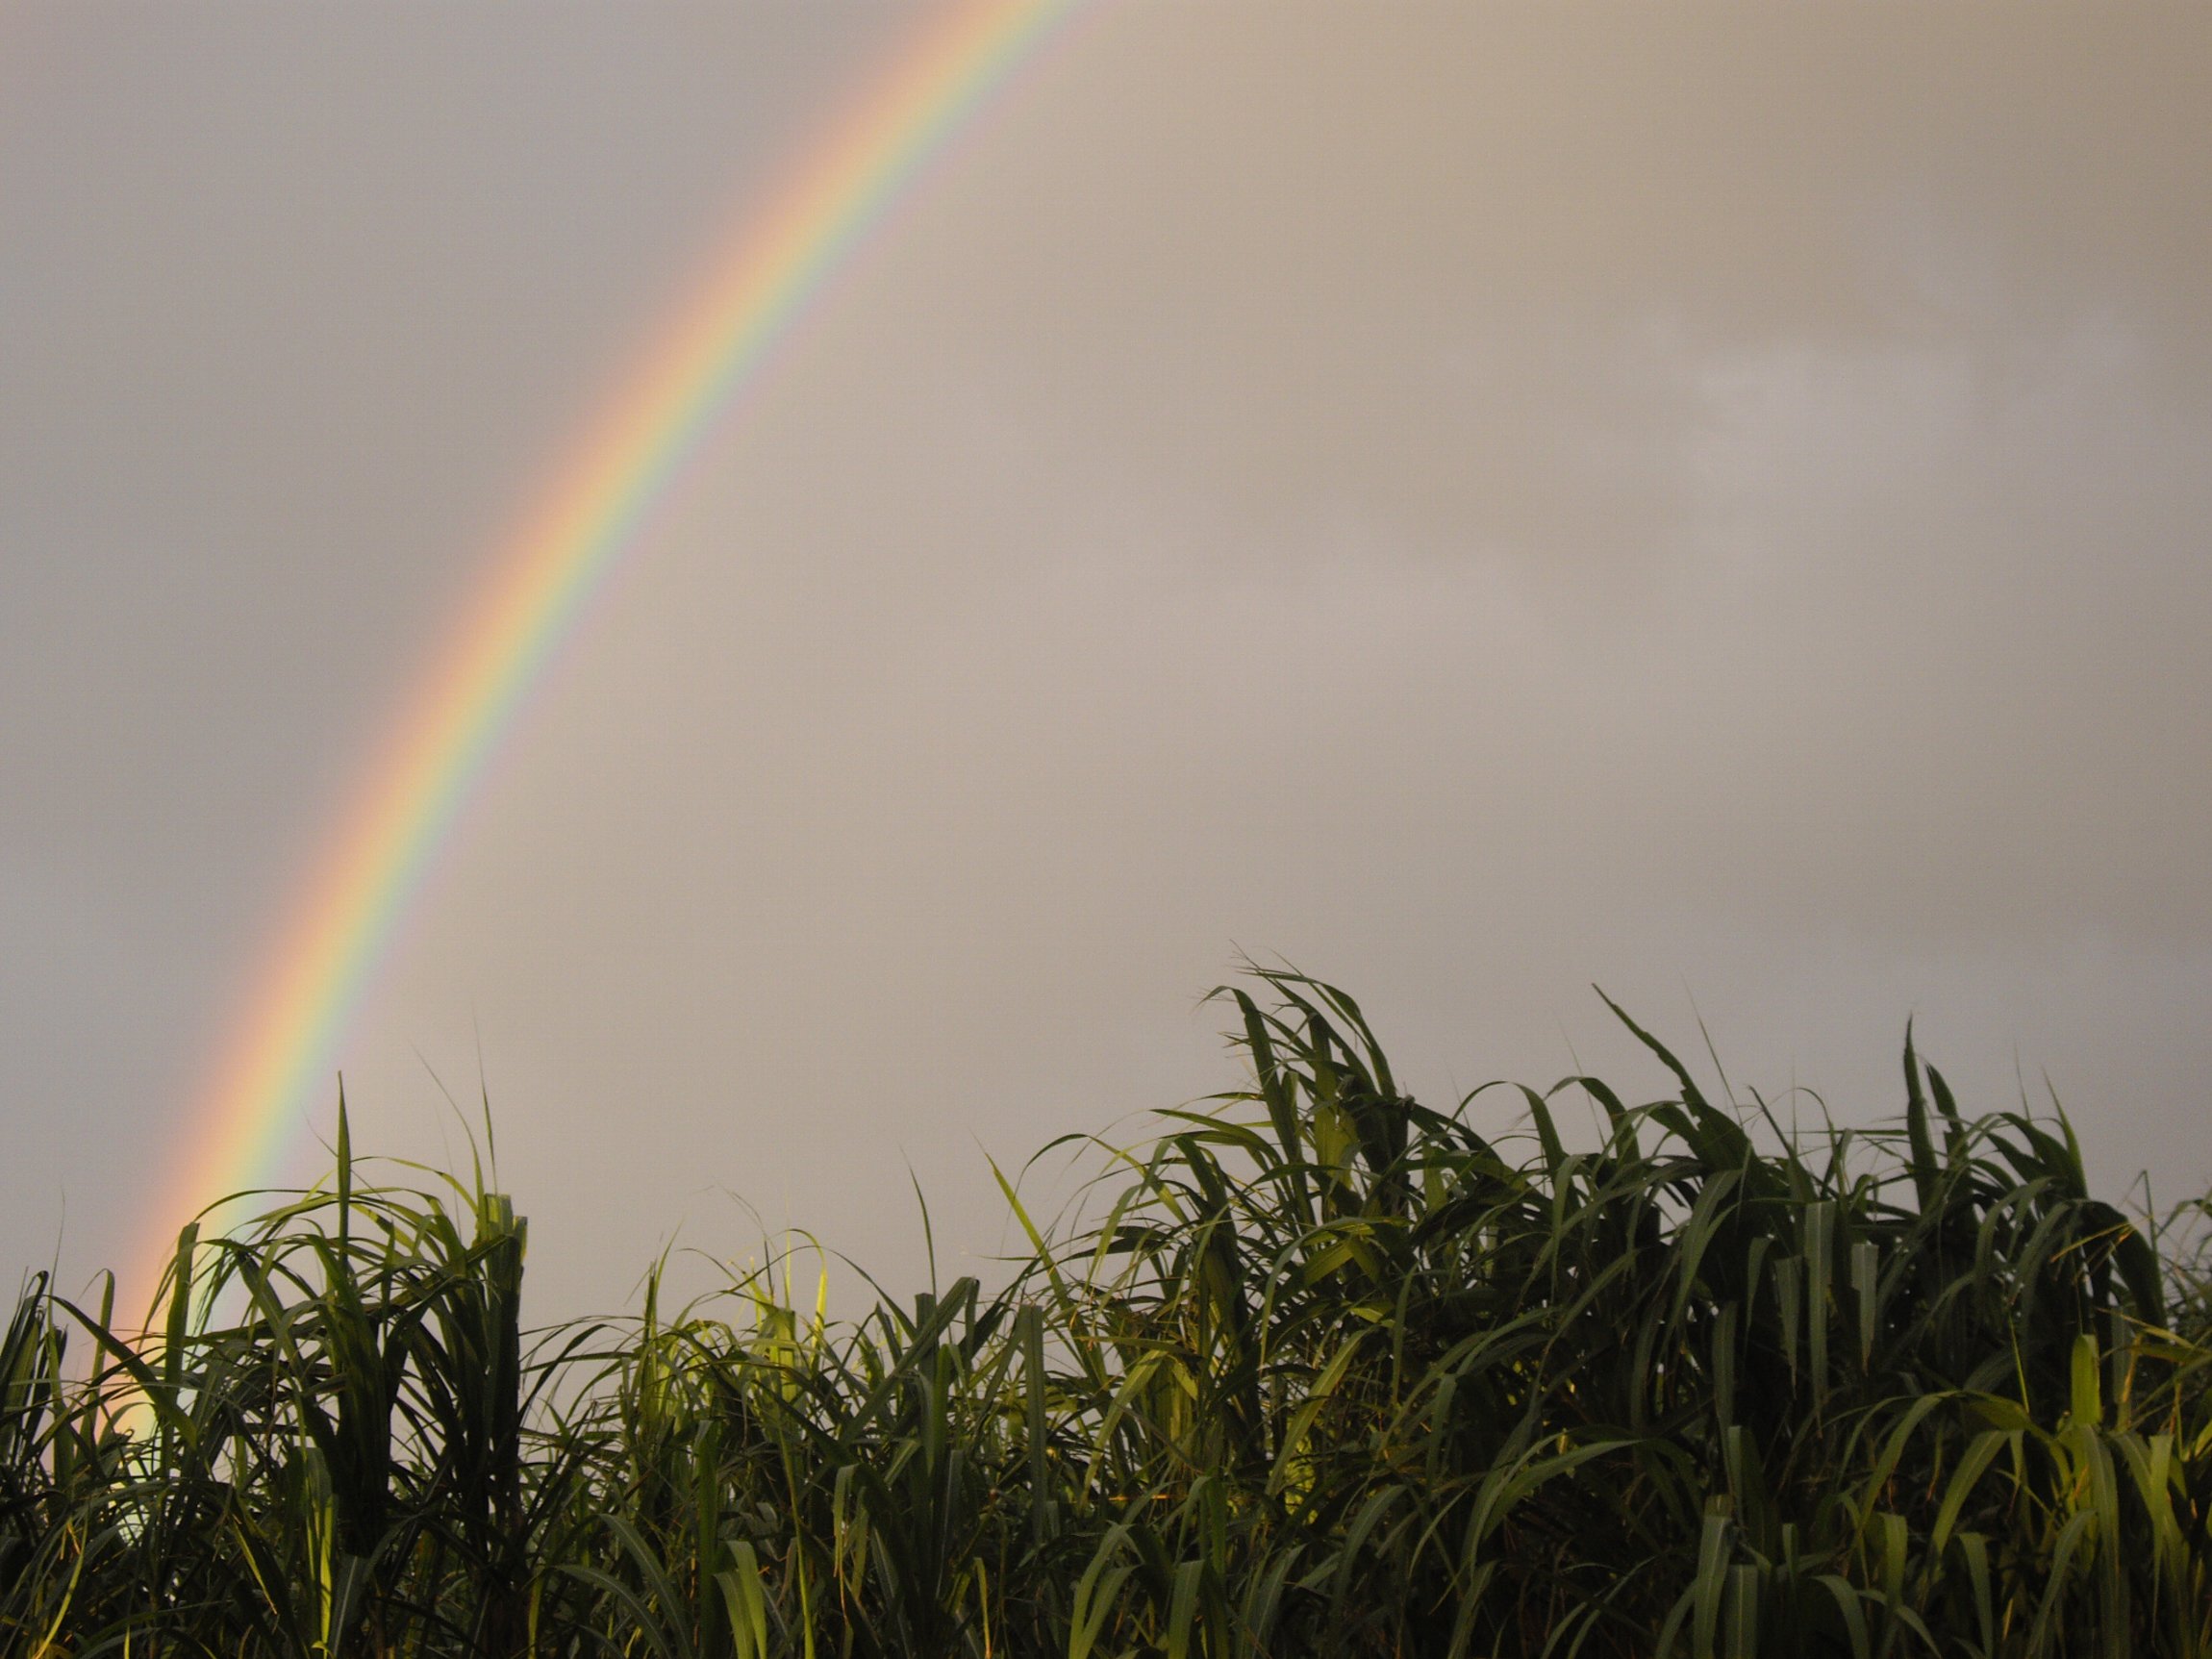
column 541, row 582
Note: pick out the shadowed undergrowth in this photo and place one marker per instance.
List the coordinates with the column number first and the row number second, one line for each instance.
column 1321, row 1370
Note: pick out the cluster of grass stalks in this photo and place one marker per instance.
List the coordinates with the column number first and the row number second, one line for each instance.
column 1320, row 1370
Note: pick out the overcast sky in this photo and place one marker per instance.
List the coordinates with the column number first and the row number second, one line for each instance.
column 1475, row 501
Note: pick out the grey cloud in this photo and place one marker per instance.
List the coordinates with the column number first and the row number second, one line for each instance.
column 1475, row 502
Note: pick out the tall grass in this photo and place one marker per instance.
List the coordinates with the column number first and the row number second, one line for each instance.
column 1324, row 1370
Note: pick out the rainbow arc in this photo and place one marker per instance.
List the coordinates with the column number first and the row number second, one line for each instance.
column 544, row 577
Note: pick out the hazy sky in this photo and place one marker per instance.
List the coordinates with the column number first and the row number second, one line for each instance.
column 1476, row 501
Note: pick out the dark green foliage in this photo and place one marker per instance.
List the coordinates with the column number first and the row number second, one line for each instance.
column 1327, row 1372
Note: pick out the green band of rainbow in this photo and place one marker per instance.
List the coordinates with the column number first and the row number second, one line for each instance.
column 285, row 1046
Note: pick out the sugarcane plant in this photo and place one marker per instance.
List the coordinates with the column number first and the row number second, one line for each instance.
column 1310, row 1368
